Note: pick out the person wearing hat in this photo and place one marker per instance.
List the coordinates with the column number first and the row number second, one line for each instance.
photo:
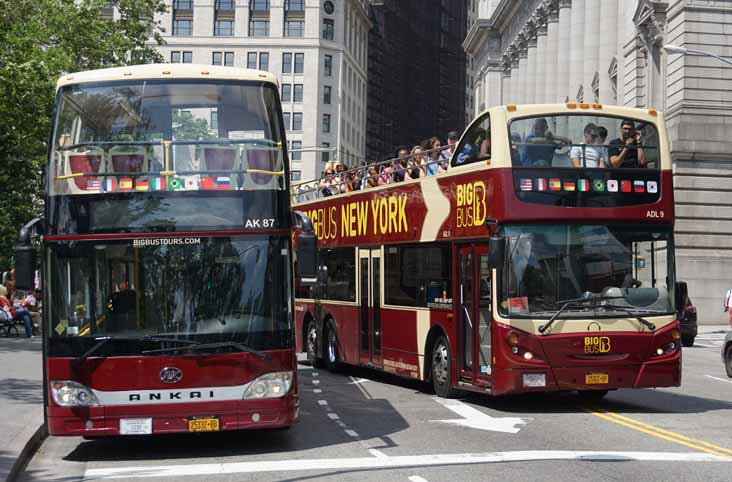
column 452, row 139
column 587, row 154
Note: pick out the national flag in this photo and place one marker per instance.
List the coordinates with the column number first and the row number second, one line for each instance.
column 208, row 183
column 583, row 185
column 626, row 186
column 93, row 185
column 555, row 184
column 125, row 184
column 157, row 184
column 190, row 183
column 612, row 185
column 526, row 185
column 175, row 184
column 652, row 187
column 639, row 186
column 569, row 185
column 223, row 183
column 598, row 185
column 110, row 185
column 142, row 185
column 540, row 184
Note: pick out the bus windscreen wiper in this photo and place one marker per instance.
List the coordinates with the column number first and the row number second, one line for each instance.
column 645, row 322
column 587, row 298
column 205, row 346
column 103, row 340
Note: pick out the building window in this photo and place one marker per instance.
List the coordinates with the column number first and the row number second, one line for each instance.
column 183, row 4
column 286, row 92
column 286, row 63
column 295, row 5
column 224, row 28
column 295, row 175
column 326, row 122
column 328, row 29
column 297, row 93
column 297, row 121
column 328, row 66
column 217, row 58
column 214, row 120
column 258, row 28
column 252, row 60
column 229, row 59
column 294, row 28
column 286, row 117
column 224, row 4
column 299, row 63
column 182, row 27
column 326, row 94
column 187, row 57
column 296, row 151
column 325, row 155
column 259, row 5
column 263, row 61
column 175, row 57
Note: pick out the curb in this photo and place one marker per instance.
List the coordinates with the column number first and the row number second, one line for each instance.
column 30, row 448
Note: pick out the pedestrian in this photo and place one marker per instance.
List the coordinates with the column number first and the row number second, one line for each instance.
column 728, row 304
column 19, row 314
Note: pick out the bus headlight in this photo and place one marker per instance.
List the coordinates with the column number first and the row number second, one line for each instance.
column 67, row 393
column 269, row 385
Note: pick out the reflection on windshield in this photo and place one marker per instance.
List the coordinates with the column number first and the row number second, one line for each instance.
column 550, row 264
column 224, row 288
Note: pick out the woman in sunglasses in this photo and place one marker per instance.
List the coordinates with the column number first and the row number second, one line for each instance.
column 588, row 154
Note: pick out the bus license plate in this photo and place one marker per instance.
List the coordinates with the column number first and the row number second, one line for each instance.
column 596, row 379
column 203, row 424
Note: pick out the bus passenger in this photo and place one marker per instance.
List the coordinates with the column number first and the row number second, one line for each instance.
column 587, row 155
column 415, row 167
column 541, row 145
column 627, row 150
column 477, row 150
column 372, row 177
column 433, row 161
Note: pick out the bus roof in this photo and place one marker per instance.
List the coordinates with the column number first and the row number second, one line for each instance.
column 166, row 71
column 515, row 111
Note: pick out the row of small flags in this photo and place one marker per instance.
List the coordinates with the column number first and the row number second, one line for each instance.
column 586, row 185
column 180, row 183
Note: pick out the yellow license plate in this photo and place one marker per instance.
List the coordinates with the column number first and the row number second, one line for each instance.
column 596, row 379
column 207, row 424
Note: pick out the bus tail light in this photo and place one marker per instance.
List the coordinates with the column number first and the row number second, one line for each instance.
column 67, row 393
column 269, row 385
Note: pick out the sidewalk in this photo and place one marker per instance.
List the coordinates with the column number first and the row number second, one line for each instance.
column 21, row 398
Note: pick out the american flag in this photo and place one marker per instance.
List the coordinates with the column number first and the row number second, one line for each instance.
column 526, row 185
column 93, row 185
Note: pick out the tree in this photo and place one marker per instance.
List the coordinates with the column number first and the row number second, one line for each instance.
column 41, row 40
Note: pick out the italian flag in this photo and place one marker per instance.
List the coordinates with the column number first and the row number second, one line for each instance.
column 583, row 185
column 157, row 184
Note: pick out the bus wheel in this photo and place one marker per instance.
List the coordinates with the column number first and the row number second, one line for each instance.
column 311, row 345
column 592, row 395
column 331, row 349
column 728, row 361
column 442, row 368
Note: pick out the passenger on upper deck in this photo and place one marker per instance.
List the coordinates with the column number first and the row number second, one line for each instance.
column 588, row 155
column 627, row 150
column 541, row 144
column 477, row 147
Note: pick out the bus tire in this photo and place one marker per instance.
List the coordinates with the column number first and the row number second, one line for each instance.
column 728, row 361
column 331, row 348
column 442, row 368
column 311, row 345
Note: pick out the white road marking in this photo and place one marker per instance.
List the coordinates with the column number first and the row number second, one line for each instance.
column 316, row 382
column 301, row 465
column 352, row 433
column 333, row 416
column 720, row 379
column 341, row 424
column 417, row 478
column 322, row 402
column 356, row 381
column 317, row 390
column 705, row 346
column 378, row 453
column 474, row 418
column 315, row 374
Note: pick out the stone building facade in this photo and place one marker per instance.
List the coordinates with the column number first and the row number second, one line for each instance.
column 611, row 51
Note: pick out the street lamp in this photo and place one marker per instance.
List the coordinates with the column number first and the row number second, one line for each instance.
column 675, row 49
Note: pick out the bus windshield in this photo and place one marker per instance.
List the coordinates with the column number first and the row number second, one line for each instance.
column 167, row 135
column 632, row 267
column 206, row 289
column 583, row 140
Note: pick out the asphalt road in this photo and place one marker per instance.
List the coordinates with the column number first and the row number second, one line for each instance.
column 360, row 425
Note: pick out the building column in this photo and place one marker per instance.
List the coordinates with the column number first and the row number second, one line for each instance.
column 551, row 59
column 493, row 81
column 541, row 44
column 591, row 55
column 532, row 61
column 608, row 49
column 515, row 84
column 563, row 60
column 576, row 49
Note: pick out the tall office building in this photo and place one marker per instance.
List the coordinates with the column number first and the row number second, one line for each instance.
column 611, row 52
column 416, row 72
column 317, row 48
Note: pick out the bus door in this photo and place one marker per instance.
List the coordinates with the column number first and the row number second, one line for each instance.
column 370, row 306
column 474, row 315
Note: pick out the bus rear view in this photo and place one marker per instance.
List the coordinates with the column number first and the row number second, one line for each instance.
column 167, row 254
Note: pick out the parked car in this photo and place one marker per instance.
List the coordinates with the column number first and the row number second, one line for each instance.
column 727, row 353
column 686, row 313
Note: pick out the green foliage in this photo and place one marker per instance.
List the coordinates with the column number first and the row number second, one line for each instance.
column 188, row 128
column 41, row 40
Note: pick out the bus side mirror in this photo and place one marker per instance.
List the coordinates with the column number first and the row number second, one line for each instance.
column 496, row 251
column 25, row 256
column 682, row 291
column 306, row 253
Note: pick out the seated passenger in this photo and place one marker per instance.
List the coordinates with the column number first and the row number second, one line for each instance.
column 627, row 150
column 541, row 144
column 478, row 147
column 587, row 155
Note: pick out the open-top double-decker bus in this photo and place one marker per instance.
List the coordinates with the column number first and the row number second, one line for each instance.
column 542, row 259
column 166, row 254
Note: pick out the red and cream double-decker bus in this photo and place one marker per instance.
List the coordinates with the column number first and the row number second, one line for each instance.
column 540, row 259
column 166, row 254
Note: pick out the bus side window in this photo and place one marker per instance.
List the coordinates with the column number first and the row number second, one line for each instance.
column 476, row 143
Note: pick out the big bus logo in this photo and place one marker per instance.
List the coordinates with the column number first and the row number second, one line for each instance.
column 471, row 207
column 597, row 344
